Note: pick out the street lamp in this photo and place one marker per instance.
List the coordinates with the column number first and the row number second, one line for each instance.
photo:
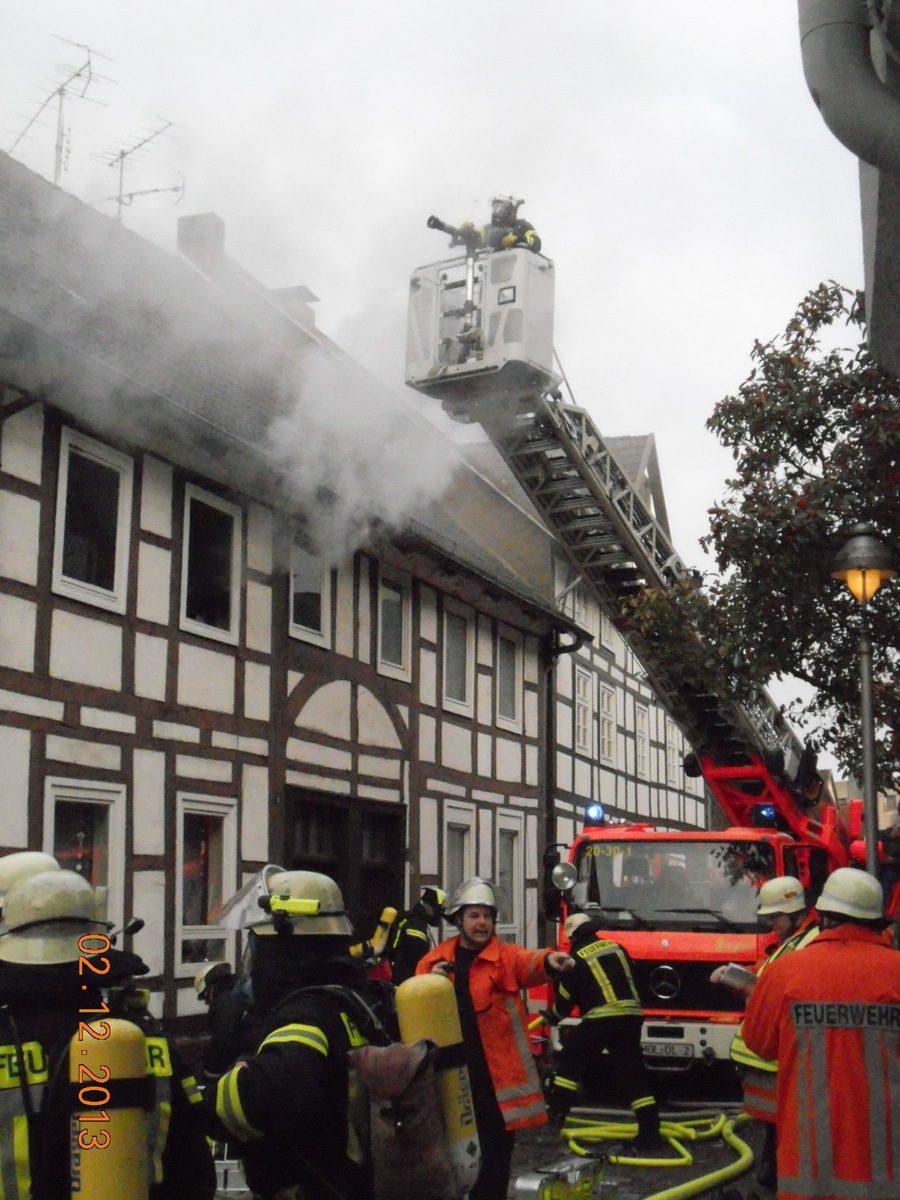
column 864, row 562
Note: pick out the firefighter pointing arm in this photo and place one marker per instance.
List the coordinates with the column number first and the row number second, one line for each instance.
column 506, row 230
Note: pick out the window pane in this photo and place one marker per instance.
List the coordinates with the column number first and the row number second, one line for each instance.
column 92, row 515
column 506, row 876
column 456, row 657
column 209, row 565
column 201, row 896
column 455, row 856
column 200, row 950
column 392, row 624
column 306, row 590
column 507, row 697
column 81, row 840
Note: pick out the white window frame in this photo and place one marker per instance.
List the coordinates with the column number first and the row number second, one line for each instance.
column 111, row 796
column 399, row 583
column 608, row 724
column 459, row 816
column 466, row 706
column 513, row 723
column 672, row 758
column 318, row 637
column 512, row 823
column 114, row 600
column 583, row 698
column 188, row 624
column 642, row 741
column 225, row 807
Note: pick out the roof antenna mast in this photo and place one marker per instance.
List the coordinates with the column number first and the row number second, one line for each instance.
column 74, row 79
column 119, row 158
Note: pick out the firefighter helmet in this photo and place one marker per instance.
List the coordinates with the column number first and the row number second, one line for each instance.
column 852, row 893
column 471, row 891
column 209, row 974
column 434, row 901
column 20, row 864
column 504, row 208
column 782, row 895
column 303, row 902
column 46, row 914
column 575, row 922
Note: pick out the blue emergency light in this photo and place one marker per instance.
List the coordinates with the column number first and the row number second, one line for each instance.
column 594, row 815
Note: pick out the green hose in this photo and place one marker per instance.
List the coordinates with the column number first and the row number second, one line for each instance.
column 582, row 1133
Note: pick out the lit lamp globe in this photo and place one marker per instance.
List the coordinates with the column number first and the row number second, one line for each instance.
column 864, row 562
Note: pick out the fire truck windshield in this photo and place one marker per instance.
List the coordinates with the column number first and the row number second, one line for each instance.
column 666, row 884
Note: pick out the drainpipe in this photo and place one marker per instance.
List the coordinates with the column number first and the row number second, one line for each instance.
column 861, row 112
column 552, row 651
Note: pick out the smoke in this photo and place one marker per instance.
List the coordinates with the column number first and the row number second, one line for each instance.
column 356, row 455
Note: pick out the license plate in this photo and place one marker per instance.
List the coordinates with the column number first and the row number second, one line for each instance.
column 667, row 1049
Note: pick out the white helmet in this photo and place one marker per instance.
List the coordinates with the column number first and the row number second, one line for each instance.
column 46, row 914
column 304, row 902
column 575, row 922
column 781, row 895
column 852, row 893
column 20, row 864
column 471, row 891
column 209, row 974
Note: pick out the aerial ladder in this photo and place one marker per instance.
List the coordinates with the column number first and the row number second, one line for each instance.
column 480, row 340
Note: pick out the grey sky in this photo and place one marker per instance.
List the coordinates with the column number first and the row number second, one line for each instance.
column 668, row 152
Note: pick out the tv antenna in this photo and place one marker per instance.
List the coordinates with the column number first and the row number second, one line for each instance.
column 126, row 154
column 75, row 81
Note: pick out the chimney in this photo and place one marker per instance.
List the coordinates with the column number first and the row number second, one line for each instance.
column 201, row 239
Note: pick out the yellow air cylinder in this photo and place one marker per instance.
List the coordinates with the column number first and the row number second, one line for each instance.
column 426, row 1008
column 380, row 936
column 108, row 1142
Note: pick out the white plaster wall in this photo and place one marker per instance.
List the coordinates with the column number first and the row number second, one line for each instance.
column 255, row 813
column 257, row 682
column 148, row 806
column 428, row 836
column 427, row 735
column 21, row 448
column 485, row 698
column 156, row 497
column 374, row 724
column 564, row 771
column 456, row 747
column 97, row 755
column 150, row 666
column 154, row 583
column 213, row 770
column 563, row 724
column 530, row 665
column 531, row 766
column 18, row 621
column 15, row 754
column 531, row 714
column 343, row 641
column 485, row 642
column 328, row 710
column 583, row 778
column 384, row 768
column 259, row 616
column 364, row 620
column 485, row 755
column 205, row 678
column 259, row 538
column 428, row 614
column 486, row 843
column 149, row 903
column 19, row 526
column 85, row 651
column 509, row 760
column 428, row 678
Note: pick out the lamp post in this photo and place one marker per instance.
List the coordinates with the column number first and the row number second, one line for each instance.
column 864, row 562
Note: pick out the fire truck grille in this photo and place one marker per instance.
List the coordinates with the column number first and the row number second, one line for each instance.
column 681, row 985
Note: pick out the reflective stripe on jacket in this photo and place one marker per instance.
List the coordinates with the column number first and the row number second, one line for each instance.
column 601, row 984
column 496, row 979
column 807, row 931
column 15, row 1163
column 831, row 1017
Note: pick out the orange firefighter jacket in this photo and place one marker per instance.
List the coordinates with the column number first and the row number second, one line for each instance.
column 496, row 978
column 831, row 1017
